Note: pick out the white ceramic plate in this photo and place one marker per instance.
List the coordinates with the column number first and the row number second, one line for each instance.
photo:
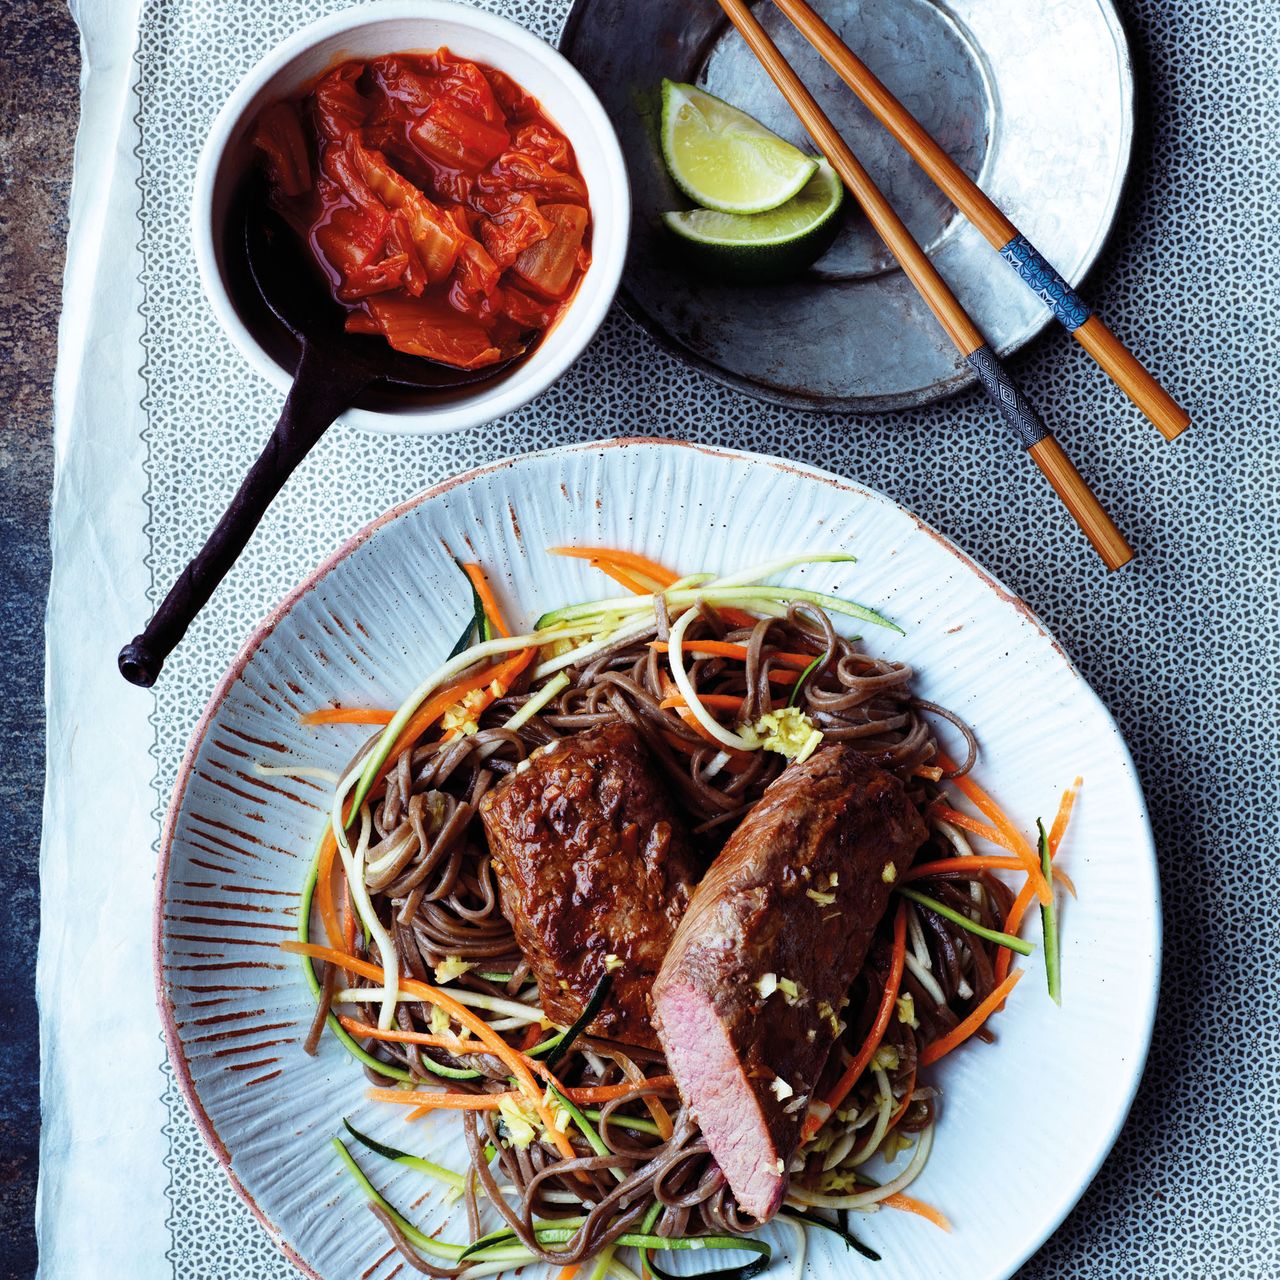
column 1025, row 1123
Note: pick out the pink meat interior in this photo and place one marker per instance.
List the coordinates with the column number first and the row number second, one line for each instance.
column 712, row 1080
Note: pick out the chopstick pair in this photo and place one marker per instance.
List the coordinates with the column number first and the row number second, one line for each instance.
column 1115, row 359
column 1016, row 409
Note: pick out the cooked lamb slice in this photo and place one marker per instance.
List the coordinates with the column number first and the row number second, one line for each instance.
column 592, row 863
column 748, row 1001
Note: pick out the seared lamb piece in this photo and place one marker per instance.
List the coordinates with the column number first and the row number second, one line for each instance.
column 592, row 862
column 748, row 1000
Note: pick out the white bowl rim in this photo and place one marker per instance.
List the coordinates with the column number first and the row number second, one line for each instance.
column 586, row 314
column 1145, row 1004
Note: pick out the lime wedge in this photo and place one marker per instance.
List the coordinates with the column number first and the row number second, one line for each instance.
column 762, row 247
column 723, row 159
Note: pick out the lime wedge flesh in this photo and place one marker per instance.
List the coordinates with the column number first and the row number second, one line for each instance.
column 723, row 159
column 764, row 246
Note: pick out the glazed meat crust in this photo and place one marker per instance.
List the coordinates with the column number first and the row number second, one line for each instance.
column 748, row 1000
column 592, row 861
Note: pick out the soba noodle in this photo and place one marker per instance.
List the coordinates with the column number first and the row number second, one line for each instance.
column 431, row 880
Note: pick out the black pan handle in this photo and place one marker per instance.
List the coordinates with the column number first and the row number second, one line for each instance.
column 322, row 389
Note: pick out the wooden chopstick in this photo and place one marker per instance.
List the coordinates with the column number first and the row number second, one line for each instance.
column 1116, row 360
column 1071, row 487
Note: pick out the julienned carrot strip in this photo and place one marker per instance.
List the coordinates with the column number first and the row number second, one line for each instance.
column 422, row 1100
column 627, row 559
column 590, row 1093
column 499, row 684
column 682, row 745
column 635, row 1075
column 567, row 1273
column 910, row 1205
column 637, row 586
column 736, row 617
column 435, row 706
column 459, row 1013
column 1013, row 921
column 487, row 598
column 503, row 674
column 347, row 715
column 673, row 699
column 616, row 563
column 1063, row 816
column 337, row 933
column 1012, row 924
column 1061, row 877
column 814, row 1121
column 781, row 676
column 434, row 1100
column 1017, row 842
column 394, row 1034
column 972, row 825
column 348, row 917
column 979, row 862
column 324, row 889
column 607, row 1092
column 957, row 819
column 707, row 736
column 432, row 995
column 727, row 649
column 716, row 701
column 959, row 1034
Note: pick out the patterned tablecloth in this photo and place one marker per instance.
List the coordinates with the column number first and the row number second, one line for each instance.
column 1182, row 645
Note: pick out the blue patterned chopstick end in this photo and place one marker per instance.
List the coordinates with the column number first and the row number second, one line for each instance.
column 1015, row 408
column 1045, row 282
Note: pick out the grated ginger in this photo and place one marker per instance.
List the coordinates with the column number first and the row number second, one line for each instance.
column 789, row 732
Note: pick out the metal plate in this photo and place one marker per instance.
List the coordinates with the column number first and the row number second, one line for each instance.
column 1034, row 100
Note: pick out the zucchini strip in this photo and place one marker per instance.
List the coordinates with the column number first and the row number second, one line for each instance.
column 308, row 969
column 563, row 1233
column 420, row 1240
column 635, row 1123
column 850, row 1240
column 437, row 1171
column 588, row 1130
column 794, row 699
column 628, row 606
column 461, row 643
column 559, row 1046
column 537, row 701
column 1049, row 923
column 958, row 917
column 750, row 577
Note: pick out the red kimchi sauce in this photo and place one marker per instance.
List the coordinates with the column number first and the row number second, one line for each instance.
column 446, row 211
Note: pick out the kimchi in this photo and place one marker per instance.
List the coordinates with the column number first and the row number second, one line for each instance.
column 446, row 211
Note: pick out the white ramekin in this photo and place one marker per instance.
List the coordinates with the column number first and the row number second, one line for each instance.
column 402, row 26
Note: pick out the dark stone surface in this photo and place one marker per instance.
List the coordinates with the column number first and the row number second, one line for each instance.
column 38, row 89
